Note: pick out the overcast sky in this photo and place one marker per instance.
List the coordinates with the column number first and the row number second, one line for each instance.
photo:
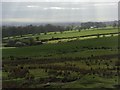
column 32, row 12
column 60, row 0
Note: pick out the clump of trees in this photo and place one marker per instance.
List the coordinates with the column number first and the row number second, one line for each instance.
column 8, row 31
column 89, row 25
column 23, row 42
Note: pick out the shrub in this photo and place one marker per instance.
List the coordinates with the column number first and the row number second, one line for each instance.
column 18, row 72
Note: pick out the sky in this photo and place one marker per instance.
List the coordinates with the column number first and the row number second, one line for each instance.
column 60, row 0
column 58, row 11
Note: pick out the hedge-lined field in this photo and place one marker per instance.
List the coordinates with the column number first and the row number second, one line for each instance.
column 96, row 46
column 89, row 63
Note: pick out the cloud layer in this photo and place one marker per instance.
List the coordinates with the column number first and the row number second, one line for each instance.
column 58, row 12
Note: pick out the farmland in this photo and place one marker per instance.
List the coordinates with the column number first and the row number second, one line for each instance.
column 71, row 61
column 66, row 34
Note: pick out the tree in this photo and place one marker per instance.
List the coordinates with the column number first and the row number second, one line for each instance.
column 98, row 36
column 45, row 33
column 114, row 25
column 111, row 35
column 37, row 38
column 79, row 30
column 32, row 41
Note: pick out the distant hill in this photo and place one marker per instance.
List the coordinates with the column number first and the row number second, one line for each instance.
column 55, row 23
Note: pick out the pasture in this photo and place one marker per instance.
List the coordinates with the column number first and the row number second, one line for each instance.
column 66, row 34
column 87, row 63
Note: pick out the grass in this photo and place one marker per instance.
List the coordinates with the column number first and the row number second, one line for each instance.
column 76, row 33
column 86, row 81
column 70, row 50
column 73, row 33
column 65, row 48
column 90, row 82
column 5, row 75
column 38, row 73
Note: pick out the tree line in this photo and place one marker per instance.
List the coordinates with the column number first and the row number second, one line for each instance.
column 30, row 29
column 8, row 31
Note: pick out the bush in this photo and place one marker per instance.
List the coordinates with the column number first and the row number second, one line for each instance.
column 11, row 43
column 18, row 72
column 19, row 44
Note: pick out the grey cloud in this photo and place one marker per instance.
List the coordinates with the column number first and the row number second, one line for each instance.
column 58, row 12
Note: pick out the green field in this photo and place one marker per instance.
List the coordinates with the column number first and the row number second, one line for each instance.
column 87, row 63
column 73, row 33
column 74, row 47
